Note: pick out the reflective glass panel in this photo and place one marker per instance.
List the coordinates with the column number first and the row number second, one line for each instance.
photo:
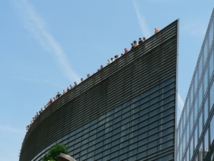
column 211, row 65
column 206, row 112
column 211, row 35
column 212, row 130
column 206, row 144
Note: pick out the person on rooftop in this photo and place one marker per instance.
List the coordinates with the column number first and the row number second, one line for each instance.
column 112, row 59
column 82, row 79
column 75, row 84
column 156, row 30
column 109, row 61
column 135, row 43
column 132, row 44
column 116, row 56
column 71, row 86
column 140, row 41
column 68, row 89
column 126, row 50
column 144, row 39
column 51, row 101
column 58, row 95
column 88, row 75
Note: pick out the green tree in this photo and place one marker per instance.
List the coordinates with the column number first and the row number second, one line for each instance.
column 54, row 152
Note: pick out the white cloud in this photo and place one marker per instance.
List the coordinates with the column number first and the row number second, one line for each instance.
column 180, row 101
column 142, row 22
column 36, row 25
column 7, row 128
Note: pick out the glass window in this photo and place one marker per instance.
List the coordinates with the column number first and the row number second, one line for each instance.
column 191, row 148
column 206, row 48
column 141, row 155
column 123, row 111
column 212, row 157
column 206, row 111
column 190, row 122
column 154, row 100
column 196, row 79
column 172, row 91
column 144, row 100
column 180, row 130
column 212, row 130
column 184, row 145
column 201, row 152
column 187, row 107
column 211, row 65
column 194, row 112
column 196, row 136
column 168, row 99
column 206, row 80
column 196, row 158
column 153, row 150
column 187, row 154
column 124, row 105
column 166, row 88
column 200, row 125
column 168, row 157
column 154, row 89
column 212, row 96
column 200, row 65
column 200, row 95
column 132, row 158
column 144, row 94
column 211, row 36
column 136, row 98
column 206, row 144
column 123, row 157
column 168, row 81
column 154, row 106
column 187, row 131
column 154, row 94
column 180, row 152
column 114, row 154
column 166, row 145
column 153, row 125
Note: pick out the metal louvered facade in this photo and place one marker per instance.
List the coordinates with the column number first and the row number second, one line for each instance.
column 126, row 111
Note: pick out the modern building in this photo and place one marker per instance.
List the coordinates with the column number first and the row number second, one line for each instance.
column 195, row 135
column 125, row 111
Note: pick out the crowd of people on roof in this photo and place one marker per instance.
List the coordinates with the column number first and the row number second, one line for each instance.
column 58, row 95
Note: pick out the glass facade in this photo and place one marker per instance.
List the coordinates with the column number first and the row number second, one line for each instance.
column 124, row 112
column 195, row 141
column 142, row 127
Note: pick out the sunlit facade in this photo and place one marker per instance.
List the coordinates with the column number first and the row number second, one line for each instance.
column 195, row 135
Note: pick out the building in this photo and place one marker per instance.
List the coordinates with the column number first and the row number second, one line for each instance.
column 195, row 133
column 125, row 111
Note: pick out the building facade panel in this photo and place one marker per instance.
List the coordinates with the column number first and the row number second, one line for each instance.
column 126, row 111
column 195, row 128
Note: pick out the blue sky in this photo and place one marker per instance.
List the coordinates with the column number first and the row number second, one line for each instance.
column 47, row 45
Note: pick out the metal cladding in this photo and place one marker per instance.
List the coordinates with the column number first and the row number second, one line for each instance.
column 140, row 70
